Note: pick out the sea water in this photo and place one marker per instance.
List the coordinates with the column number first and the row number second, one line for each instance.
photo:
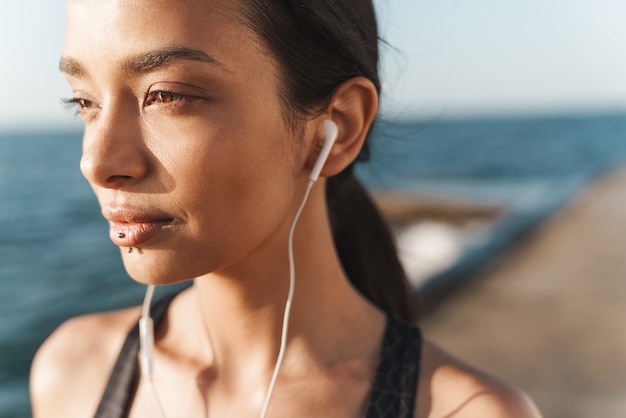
column 56, row 260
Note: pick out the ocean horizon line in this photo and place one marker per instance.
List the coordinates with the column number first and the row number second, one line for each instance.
column 384, row 117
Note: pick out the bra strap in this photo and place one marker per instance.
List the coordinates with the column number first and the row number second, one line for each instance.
column 120, row 391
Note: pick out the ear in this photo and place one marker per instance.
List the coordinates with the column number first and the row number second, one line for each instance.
column 352, row 108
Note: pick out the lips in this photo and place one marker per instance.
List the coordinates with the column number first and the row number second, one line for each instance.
column 132, row 227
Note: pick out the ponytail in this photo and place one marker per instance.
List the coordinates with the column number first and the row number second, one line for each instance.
column 365, row 246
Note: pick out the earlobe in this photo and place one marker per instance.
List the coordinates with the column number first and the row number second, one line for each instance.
column 352, row 110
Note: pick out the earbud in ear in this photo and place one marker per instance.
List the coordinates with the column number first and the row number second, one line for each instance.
column 331, row 130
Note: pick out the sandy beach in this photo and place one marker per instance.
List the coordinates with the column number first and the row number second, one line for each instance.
column 550, row 316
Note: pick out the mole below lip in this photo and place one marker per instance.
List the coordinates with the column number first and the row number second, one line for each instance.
column 133, row 234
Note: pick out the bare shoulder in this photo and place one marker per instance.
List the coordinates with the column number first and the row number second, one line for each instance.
column 70, row 369
column 450, row 388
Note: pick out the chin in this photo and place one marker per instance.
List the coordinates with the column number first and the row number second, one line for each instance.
column 155, row 268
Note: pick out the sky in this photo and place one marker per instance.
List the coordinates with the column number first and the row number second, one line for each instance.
column 441, row 58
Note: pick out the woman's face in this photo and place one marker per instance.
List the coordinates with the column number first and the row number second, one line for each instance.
column 185, row 145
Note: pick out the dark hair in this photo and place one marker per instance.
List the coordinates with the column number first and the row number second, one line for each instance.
column 319, row 44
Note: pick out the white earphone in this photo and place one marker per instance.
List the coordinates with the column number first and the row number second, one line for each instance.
column 331, row 130
column 146, row 326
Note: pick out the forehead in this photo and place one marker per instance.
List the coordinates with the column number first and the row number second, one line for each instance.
column 112, row 29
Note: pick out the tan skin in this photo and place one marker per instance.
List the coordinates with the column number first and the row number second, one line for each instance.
column 212, row 153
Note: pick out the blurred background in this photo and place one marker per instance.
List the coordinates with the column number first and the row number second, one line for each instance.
column 498, row 160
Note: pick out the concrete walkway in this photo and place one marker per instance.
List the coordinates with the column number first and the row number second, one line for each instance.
column 550, row 317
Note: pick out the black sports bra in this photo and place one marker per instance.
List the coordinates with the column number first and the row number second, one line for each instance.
column 392, row 394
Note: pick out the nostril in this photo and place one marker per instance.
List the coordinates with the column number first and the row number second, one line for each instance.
column 116, row 181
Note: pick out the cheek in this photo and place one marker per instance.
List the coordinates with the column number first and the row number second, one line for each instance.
column 235, row 186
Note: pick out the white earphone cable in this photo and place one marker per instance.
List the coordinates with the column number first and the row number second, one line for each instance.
column 292, row 282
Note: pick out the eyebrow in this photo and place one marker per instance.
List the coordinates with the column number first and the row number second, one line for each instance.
column 145, row 62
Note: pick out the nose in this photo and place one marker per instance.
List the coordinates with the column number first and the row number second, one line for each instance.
column 114, row 154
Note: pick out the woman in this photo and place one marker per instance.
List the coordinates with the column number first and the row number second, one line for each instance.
column 203, row 122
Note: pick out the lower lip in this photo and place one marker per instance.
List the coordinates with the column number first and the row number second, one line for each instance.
column 133, row 234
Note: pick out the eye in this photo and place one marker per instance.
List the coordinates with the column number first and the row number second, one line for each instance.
column 164, row 97
column 79, row 105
